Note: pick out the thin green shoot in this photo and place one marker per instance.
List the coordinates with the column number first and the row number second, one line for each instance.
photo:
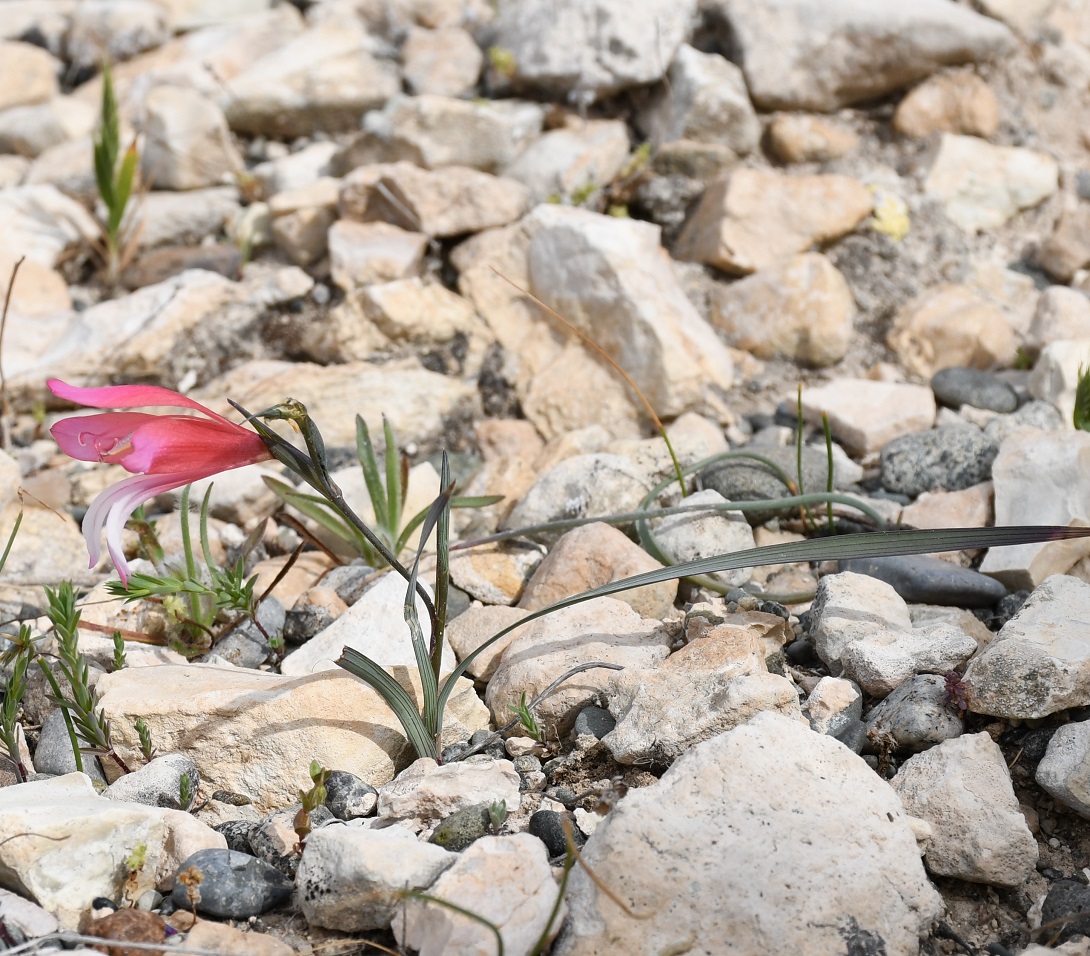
column 526, row 719
column 119, row 651
column 143, row 732
column 497, row 813
column 115, row 176
column 11, row 540
column 829, row 469
column 1081, row 414
column 185, row 791
column 10, row 729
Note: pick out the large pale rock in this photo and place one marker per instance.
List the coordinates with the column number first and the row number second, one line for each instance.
column 611, row 278
column 351, row 879
column 949, row 103
column 864, row 415
column 43, row 224
column 168, row 218
column 1039, row 662
column 604, row 630
column 28, row 74
column 63, row 845
column 1055, row 377
column 31, row 130
column 952, row 326
column 436, row 131
column 745, row 783
column 325, row 78
column 375, row 626
column 473, row 627
column 591, row 47
column 1040, row 478
column 363, row 253
column 581, row 154
column 704, row 101
column 963, row 789
column 519, row 864
column 749, row 218
column 882, row 661
column 49, row 548
column 446, row 61
column 187, row 144
column 820, row 55
column 848, row 607
column 496, row 573
column 427, row 792
column 982, row 186
column 113, row 30
column 711, row 685
column 256, row 733
column 440, row 203
column 591, row 556
column 800, row 308
column 416, row 401
column 1065, row 770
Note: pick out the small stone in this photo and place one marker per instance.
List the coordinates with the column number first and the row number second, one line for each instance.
column 29, row 74
column 848, row 607
column 924, row 579
column 750, row 218
column 802, row 138
column 1068, row 248
column 446, row 61
column 129, row 926
column 915, row 716
column 1063, row 771
column 232, row 885
column 800, row 309
column 956, row 386
column 163, row 263
column 595, row 721
column 237, row 834
column 276, row 841
column 548, row 827
column 348, row 797
column 982, row 186
column 158, row 782
column 942, row 459
column 225, row 939
column 428, row 792
column 832, row 705
column 865, row 415
column 948, row 103
column 187, row 144
column 692, row 537
column 1063, row 907
column 1061, row 313
column 461, row 828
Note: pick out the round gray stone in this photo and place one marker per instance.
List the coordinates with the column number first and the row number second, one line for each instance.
column 915, row 716
column 233, row 885
column 923, row 579
column 955, row 387
column 942, row 459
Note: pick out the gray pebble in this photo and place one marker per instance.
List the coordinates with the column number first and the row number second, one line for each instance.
column 595, row 721
column 349, row 581
column 955, row 387
column 1067, row 909
column 157, row 783
column 1035, row 414
column 915, row 715
column 462, row 827
column 54, row 755
column 924, row 579
column 237, row 834
column 548, row 827
column 942, row 459
column 233, row 885
column 348, row 797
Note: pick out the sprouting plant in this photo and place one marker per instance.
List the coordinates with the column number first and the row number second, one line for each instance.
column 10, row 729
column 311, row 800
column 497, row 813
column 526, row 719
column 502, row 61
column 119, row 651
column 134, row 863
column 1081, row 415
column 388, row 492
column 955, row 693
column 115, row 176
column 185, row 791
column 195, row 594
column 147, row 748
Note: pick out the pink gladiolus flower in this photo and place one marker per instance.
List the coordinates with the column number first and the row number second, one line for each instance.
column 163, row 451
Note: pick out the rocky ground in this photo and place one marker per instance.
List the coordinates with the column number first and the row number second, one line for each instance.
column 354, row 203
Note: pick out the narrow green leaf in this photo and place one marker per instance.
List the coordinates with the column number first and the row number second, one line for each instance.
column 396, row 697
column 442, row 570
column 11, row 540
column 394, row 486
column 317, row 509
column 365, row 451
column 123, row 188
column 1081, row 416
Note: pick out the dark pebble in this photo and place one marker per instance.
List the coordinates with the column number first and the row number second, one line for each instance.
column 955, row 387
column 923, row 579
column 942, row 459
column 462, row 827
column 349, row 581
column 802, row 653
column 348, row 797
column 495, row 750
column 233, row 885
column 853, row 735
column 1005, row 608
column 237, row 834
column 594, row 721
column 774, row 607
column 160, row 264
column 302, row 623
column 548, row 827
column 1066, row 910
column 527, row 763
column 267, row 840
column 1030, row 744
column 453, row 751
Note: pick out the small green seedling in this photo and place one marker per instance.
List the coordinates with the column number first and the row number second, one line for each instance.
column 115, row 176
column 527, row 720
column 310, row 799
column 497, row 813
column 147, row 748
column 119, row 651
column 185, row 791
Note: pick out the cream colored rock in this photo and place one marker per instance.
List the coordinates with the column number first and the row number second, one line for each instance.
column 1061, row 313
column 963, row 789
column 948, row 103
column 113, row 31
column 325, row 78
column 303, row 234
column 225, row 940
column 800, row 308
column 709, row 686
column 446, row 61
column 49, row 548
column 593, row 555
column 43, row 224
column 610, row 278
column 415, row 400
column 30, row 130
column 255, row 733
column 426, row 792
column 750, row 218
column 864, row 415
column 982, row 186
column 521, row 913
column 949, row 326
column 802, row 138
column 604, row 630
column 63, row 845
column 1056, row 375
column 580, row 155
column 187, row 144
column 497, row 573
column 28, row 74
column 477, row 625
column 440, row 203
column 364, row 253
column 1068, row 248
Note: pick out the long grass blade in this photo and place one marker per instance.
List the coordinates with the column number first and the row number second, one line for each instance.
column 395, row 488
column 442, row 568
column 882, row 544
column 365, row 451
column 398, row 699
column 318, row 509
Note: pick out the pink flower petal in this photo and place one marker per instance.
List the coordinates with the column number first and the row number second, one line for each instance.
column 93, row 437
column 175, row 443
column 126, row 396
